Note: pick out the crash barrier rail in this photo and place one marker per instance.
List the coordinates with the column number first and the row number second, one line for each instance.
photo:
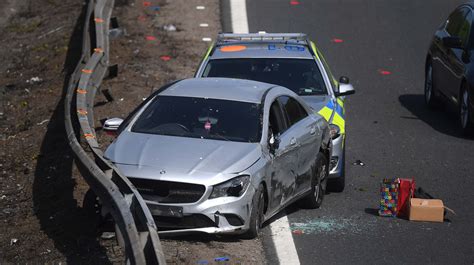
column 136, row 229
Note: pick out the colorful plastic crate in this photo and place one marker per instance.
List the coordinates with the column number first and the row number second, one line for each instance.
column 389, row 197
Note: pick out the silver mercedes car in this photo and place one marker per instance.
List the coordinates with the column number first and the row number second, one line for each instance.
column 207, row 158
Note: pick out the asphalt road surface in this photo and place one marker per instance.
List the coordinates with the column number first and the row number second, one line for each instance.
column 389, row 129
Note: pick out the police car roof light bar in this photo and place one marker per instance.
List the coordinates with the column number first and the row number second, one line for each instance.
column 261, row 36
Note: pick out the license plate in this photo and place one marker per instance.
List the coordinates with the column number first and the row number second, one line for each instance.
column 168, row 211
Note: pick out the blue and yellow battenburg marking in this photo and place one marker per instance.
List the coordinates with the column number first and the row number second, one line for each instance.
column 339, row 114
column 326, row 111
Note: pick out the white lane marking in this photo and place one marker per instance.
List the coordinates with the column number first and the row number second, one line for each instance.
column 238, row 16
column 206, row 39
column 203, row 25
column 283, row 241
column 200, row 7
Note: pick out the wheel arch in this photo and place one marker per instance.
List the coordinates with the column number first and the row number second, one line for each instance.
column 326, row 152
column 466, row 84
column 461, row 87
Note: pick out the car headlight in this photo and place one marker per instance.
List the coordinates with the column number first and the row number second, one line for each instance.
column 334, row 131
column 234, row 187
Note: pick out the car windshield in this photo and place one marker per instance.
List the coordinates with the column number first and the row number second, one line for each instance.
column 201, row 118
column 300, row 75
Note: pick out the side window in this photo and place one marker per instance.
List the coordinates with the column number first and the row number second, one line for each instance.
column 294, row 111
column 277, row 121
column 455, row 21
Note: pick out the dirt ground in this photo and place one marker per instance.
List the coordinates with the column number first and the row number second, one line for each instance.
column 41, row 191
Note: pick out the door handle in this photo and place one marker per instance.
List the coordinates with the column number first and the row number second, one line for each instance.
column 312, row 130
column 293, row 142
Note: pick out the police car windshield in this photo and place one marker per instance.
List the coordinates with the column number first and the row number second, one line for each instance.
column 300, row 75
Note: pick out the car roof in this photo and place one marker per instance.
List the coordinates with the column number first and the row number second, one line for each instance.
column 219, row 88
column 262, row 45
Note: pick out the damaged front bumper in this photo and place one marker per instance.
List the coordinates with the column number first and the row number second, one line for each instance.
column 224, row 215
column 222, row 227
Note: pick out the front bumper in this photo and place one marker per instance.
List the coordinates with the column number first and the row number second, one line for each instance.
column 336, row 164
column 224, row 215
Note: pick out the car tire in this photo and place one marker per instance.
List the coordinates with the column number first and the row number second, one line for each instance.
column 431, row 99
column 256, row 215
column 465, row 112
column 314, row 200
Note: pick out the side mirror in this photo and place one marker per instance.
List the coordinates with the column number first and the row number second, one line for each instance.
column 453, row 42
column 345, row 88
column 273, row 143
column 111, row 125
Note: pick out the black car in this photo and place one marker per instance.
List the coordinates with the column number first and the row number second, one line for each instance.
column 450, row 65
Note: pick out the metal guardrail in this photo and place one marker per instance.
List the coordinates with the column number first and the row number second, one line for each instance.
column 135, row 224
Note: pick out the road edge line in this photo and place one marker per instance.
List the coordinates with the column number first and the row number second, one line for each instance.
column 283, row 241
column 238, row 15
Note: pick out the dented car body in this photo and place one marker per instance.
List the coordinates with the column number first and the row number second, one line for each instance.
column 210, row 159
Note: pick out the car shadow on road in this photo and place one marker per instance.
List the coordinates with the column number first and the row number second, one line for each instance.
column 60, row 217
column 372, row 211
column 443, row 119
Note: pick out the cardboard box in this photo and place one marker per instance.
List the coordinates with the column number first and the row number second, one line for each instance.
column 426, row 210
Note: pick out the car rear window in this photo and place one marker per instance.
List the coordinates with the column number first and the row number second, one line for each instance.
column 300, row 75
column 201, row 118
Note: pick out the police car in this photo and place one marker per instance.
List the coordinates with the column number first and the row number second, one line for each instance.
column 293, row 61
